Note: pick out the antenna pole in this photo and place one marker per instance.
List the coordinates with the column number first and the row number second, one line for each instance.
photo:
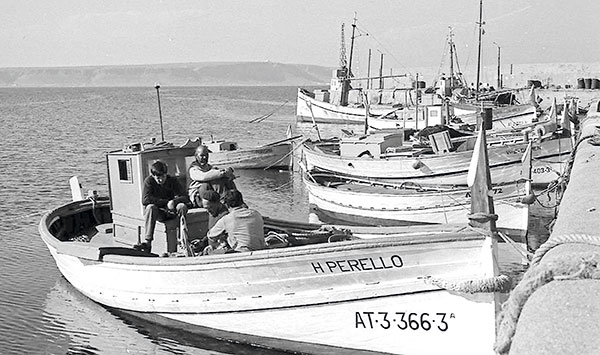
column 162, row 134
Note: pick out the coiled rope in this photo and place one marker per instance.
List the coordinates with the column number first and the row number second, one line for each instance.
column 539, row 275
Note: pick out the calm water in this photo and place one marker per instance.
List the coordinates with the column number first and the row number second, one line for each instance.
column 49, row 135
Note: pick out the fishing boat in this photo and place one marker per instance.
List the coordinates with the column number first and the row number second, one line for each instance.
column 387, row 156
column 336, row 199
column 422, row 291
column 466, row 103
column 275, row 155
column 503, row 117
column 346, row 98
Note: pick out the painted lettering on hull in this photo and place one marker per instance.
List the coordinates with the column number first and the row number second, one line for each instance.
column 438, row 321
column 357, row 265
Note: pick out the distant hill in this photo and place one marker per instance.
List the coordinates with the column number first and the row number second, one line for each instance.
column 262, row 74
column 187, row 74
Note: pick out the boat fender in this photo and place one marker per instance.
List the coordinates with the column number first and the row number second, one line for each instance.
column 540, row 131
column 529, row 199
column 366, row 154
column 417, row 164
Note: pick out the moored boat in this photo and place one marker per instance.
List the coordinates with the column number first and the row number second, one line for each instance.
column 348, row 98
column 503, row 117
column 360, row 202
column 418, row 292
column 276, row 155
column 385, row 156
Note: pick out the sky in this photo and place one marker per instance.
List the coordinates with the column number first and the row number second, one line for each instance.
column 409, row 33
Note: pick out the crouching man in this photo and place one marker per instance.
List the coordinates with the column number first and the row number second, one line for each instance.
column 242, row 228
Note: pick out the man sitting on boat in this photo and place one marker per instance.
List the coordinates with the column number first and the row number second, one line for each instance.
column 163, row 198
column 204, row 176
column 242, row 228
column 211, row 201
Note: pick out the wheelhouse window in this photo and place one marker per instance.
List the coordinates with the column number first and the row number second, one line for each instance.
column 125, row 174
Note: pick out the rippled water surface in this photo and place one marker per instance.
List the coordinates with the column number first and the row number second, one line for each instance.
column 48, row 135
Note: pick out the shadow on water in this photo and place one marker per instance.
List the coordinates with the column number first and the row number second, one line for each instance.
column 74, row 324
column 166, row 337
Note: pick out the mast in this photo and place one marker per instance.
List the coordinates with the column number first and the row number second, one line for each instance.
column 346, row 72
column 451, row 43
column 381, row 72
column 479, row 49
column 351, row 47
column 417, row 102
column 499, row 74
column 369, row 71
column 162, row 133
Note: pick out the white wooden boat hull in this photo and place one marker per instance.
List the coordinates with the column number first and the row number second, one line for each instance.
column 359, row 295
column 387, row 208
column 502, row 117
column 549, row 161
column 308, row 108
column 276, row 156
column 374, row 325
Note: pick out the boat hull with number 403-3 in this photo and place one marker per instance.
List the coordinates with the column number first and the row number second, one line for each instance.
column 549, row 158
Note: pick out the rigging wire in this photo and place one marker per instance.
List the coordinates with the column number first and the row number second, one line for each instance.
column 365, row 32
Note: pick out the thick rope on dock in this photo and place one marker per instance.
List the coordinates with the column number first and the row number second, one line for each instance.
column 539, row 275
column 563, row 239
column 501, row 283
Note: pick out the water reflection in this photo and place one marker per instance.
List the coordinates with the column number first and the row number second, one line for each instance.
column 73, row 324
column 274, row 193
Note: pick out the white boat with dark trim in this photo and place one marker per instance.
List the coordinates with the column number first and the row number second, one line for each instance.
column 387, row 157
column 340, row 200
column 275, row 155
column 385, row 294
column 347, row 98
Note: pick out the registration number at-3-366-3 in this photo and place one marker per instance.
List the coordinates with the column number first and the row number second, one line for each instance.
column 404, row 320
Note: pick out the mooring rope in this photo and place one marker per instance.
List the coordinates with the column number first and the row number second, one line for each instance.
column 482, row 217
column 539, row 275
column 563, row 239
column 501, row 283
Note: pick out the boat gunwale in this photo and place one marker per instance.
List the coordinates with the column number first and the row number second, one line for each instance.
column 86, row 250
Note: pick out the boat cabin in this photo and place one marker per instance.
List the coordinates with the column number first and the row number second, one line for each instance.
column 127, row 169
column 220, row 146
column 375, row 145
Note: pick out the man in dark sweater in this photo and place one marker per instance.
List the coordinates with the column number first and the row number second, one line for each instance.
column 163, row 198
